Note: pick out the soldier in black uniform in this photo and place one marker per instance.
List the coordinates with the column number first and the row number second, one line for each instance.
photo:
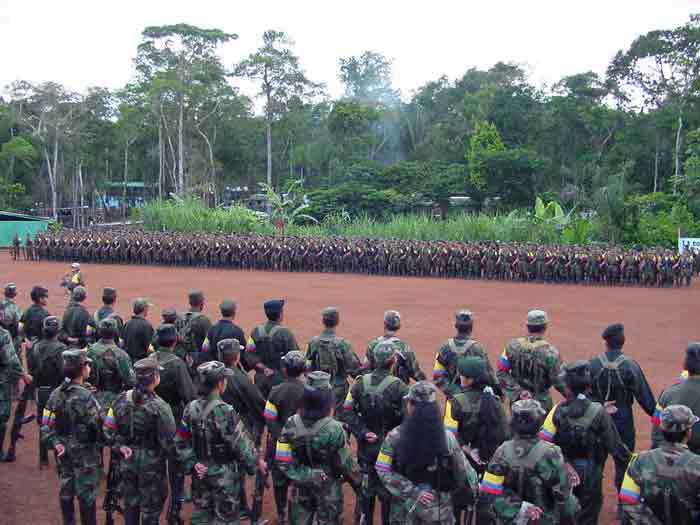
column 109, row 298
column 32, row 320
column 223, row 329
column 177, row 390
column 138, row 331
column 266, row 346
column 245, row 397
column 616, row 381
column 77, row 325
column 283, row 403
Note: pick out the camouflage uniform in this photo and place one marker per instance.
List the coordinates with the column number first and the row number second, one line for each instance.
column 72, row 420
column 445, row 373
column 333, row 354
column 12, row 317
column 406, row 366
column 374, row 405
column 663, row 485
column 527, row 471
column 142, row 422
column 531, row 364
column 314, row 455
column 10, row 372
column 447, row 474
column 211, row 434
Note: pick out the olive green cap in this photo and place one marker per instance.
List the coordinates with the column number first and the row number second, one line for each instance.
column 213, row 371
column 422, row 392
column 528, row 408
column 146, row 367
column 318, row 380
column 471, row 366
column 75, row 358
column 677, row 418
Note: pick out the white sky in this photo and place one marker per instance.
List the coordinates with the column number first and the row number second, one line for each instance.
column 82, row 43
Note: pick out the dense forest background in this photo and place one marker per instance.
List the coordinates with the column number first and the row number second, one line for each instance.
column 620, row 148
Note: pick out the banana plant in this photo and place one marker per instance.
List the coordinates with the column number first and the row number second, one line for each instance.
column 287, row 205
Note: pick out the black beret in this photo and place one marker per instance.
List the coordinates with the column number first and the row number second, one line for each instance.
column 614, row 330
column 274, row 305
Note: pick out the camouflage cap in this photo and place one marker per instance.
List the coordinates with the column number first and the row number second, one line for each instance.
column 577, row 373
column 229, row 347
column 79, row 293
column 330, row 313
column 146, row 367
column 464, row 316
column 169, row 313
column 471, row 366
column 213, row 371
column 383, row 352
column 537, row 318
column 10, row 289
column 677, row 418
column 294, row 359
column 422, row 392
column 140, row 304
column 528, row 408
column 392, row 319
column 51, row 323
column 318, row 380
column 108, row 323
column 75, row 358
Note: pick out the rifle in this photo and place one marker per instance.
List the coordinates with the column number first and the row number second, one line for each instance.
column 110, row 503
column 261, row 482
column 19, row 420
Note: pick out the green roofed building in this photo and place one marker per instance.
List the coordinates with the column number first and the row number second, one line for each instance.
column 12, row 224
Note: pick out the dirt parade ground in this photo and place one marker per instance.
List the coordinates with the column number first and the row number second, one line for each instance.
column 658, row 324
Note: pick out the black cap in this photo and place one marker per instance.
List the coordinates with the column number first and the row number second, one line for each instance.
column 166, row 334
column 612, row 331
column 169, row 313
column 274, row 306
column 195, row 296
column 109, row 293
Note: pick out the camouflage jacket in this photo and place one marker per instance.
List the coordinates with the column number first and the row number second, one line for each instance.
column 532, row 471
column 347, row 362
column 10, row 366
column 684, row 393
column 445, row 373
column 46, row 362
column 222, row 427
column 102, row 376
column 462, row 418
column 13, row 315
column 406, row 367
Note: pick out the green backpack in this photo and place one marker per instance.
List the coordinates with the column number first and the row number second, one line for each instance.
column 185, row 331
column 328, row 354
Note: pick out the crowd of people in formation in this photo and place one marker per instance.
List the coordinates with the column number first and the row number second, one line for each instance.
column 152, row 406
column 482, row 260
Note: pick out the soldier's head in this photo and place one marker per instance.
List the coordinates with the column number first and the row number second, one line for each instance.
column 384, row 355
column 147, row 373
column 76, row 364
column 614, row 336
column 392, row 321
column 50, row 327
column 79, row 294
column 141, row 306
column 293, row 364
column 330, row 316
column 471, row 370
column 109, row 296
column 213, row 376
column 537, row 321
column 166, row 335
column 39, row 295
column 527, row 417
column 169, row 315
column 229, row 351
column 577, row 378
column 228, row 308
column 677, row 422
column 108, row 328
column 274, row 309
column 464, row 322
column 10, row 290
column 692, row 359
column 75, row 267
column 196, row 299
column 318, row 399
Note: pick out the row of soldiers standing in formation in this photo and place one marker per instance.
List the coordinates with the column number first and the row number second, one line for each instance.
column 467, row 463
column 486, row 260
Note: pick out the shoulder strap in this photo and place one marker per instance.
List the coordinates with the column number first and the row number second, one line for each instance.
column 168, row 357
column 276, row 328
column 211, row 405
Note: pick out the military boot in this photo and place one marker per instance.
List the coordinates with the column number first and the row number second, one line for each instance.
column 68, row 512
column 3, row 430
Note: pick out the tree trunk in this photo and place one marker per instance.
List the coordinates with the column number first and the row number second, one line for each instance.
column 160, row 161
column 82, row 195
column 180, row 145
column 677, row 160
column 51, row 169
column 126, row 177
column 268, row 136
column 656, row 163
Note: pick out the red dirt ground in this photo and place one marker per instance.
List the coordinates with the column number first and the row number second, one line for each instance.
column 659, row 324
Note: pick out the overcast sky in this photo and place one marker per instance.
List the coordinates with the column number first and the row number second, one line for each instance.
column 82, row 43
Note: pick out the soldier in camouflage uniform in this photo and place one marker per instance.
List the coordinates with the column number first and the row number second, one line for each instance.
column 176, row 389
column 586, row 435
column 10, row 372
column 313, row 454
column 70, row 426
column 283, row 402
column 529, row 366
column 663, row 485
column 111, row 371
column 527, row 480
column 406, row 366
column 372, row 409
column 333, row 354
column 213, row 445
column 140, row 428
column 445, row 372
column 13, row 315
column 46, row 358
column 267, row 344
column 421, row 464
